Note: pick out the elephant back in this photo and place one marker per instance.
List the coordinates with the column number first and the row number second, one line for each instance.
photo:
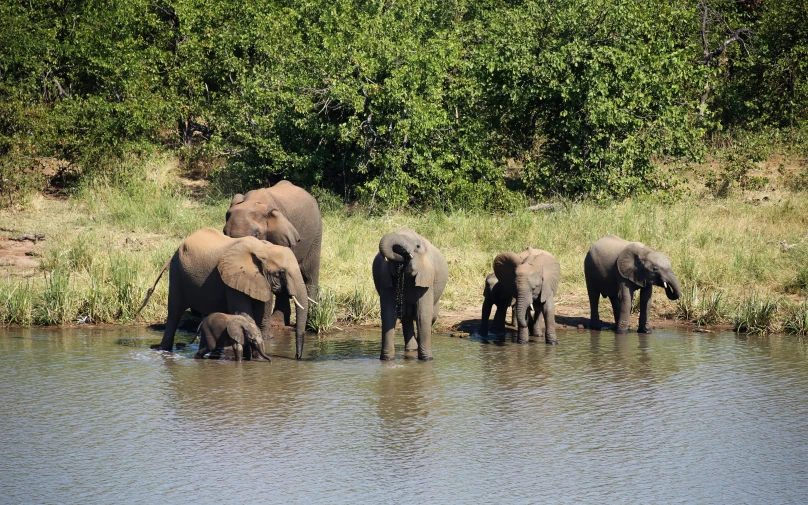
column 201, row 250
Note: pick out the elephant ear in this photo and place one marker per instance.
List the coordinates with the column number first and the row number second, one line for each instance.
column 629, row 264
column 237, row 199
column 242, row 270
column 551, row 275
column 425, row 273
column 505, row 267
column 281, row 231
column 235, row 328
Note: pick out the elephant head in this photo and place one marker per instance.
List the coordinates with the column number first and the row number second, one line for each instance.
column 647, row 267
column 532, row 278
column 409, row 249
column 250, row 217
column 259, row 269
column 243, row 330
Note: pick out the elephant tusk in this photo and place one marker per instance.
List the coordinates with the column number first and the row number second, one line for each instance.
column 531, row 308
column 665, row 284
column 312, row 301
column 298, row 303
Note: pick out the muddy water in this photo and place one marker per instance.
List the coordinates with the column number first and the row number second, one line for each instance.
column 96, row 417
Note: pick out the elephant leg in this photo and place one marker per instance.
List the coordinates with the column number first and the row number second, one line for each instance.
column 623, row 309
column 282, row 313
column 425, row 318
column 237, row 350
column 615, row 309
column 262, row 315
column 485, row 315
column 645, row 309
column 387, row 301
column 594, row 300
column 176, row 306
column 407, row 326
column 500, row 316
column 536, row 323
column 548, row 310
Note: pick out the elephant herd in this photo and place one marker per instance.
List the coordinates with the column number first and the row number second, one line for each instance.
column 268, row 257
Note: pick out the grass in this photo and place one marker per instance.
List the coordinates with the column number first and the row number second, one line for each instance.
column 756, row 315
column 105, row 245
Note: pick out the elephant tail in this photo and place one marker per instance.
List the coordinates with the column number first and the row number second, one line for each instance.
column 151, row 289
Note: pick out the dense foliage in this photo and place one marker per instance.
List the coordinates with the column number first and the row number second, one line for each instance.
column 461, row 103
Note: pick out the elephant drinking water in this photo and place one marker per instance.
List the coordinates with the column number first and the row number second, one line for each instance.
column 615, row 268
column 211, row 272
column 410, row 275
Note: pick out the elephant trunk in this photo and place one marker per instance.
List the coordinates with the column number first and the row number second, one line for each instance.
column 522, row 302
column 673, row 290
column 394, row 247
column 259, row 348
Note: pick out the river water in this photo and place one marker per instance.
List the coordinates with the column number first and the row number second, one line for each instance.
column 94, row 416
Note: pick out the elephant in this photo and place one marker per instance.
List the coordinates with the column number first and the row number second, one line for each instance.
column 615, row 268
column 211, row 272
column 496, row 294
column 219, row 330
column 286, row 215
column 410, row 275
column 533, row 281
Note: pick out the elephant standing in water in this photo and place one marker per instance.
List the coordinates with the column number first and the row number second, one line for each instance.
column 219, row 330
column 410, row 275
column 533, row 281
column 615, row 268
column 211, row 272
column 502, row 296
column 285, row 215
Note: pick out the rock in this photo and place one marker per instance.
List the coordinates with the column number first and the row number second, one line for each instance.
column 581, row 327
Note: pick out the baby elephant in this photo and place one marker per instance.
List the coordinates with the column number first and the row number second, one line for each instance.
column 219, row 330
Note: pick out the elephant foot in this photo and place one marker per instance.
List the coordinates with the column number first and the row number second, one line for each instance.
column 387, row 358
column 522, row 341
column 551, row 341
column 647, row 330
column 425, row 358
column 621, row 331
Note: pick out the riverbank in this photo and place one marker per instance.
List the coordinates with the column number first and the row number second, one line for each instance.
column 90, row 258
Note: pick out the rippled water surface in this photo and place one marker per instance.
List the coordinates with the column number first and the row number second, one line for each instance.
column 94, row 416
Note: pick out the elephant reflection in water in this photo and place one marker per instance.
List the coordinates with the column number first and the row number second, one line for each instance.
column 406, row 395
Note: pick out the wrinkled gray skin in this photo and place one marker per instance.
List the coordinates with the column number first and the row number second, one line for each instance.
column 211, row 272
column 425, row 275
column 616, row 268
column 533, row 281
column 286, row 215
column 220, row 330
column 499, row 295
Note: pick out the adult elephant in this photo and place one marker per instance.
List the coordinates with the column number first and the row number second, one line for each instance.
column 410, row 275
column 211, row 272
column 286, row 215
column 501, row 295
column 616, row 268
column 533, row 281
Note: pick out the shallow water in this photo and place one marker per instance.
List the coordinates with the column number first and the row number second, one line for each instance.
column 94, row 416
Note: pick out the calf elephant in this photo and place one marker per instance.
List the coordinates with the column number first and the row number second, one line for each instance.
column 502, row 296
column 410, row 275
column 615, row 268
column 286, row 215
column 211, row 272
column 533, row 281
column 220, row 330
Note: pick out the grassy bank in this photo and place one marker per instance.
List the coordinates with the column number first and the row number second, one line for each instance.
column 743, row 261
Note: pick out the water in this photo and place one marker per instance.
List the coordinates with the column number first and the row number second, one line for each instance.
column 94, row 416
